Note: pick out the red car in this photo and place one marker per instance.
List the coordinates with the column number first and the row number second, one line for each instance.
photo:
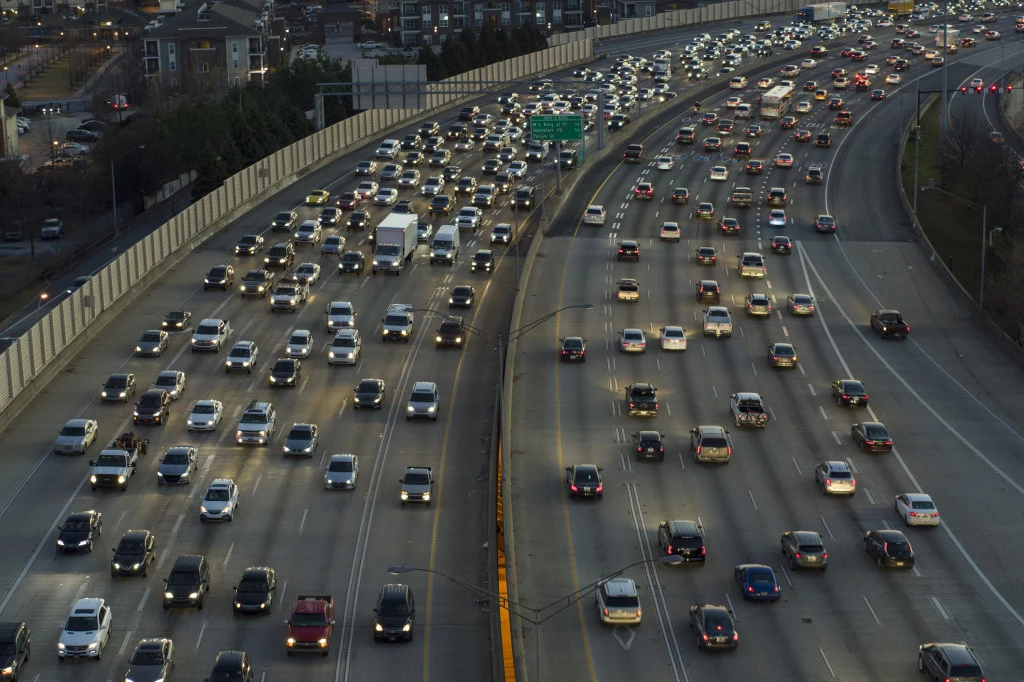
column 348, row 201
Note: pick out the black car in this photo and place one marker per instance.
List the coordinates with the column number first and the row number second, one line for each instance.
column 369, row 393
column 442, row 204
column 255, row 591
column 176, row 321
column 286, row 372
column 451, row 173
column 584, row 480
column 461, row 296
column 465, row 186
column 849, row 392
column 133, row 554
column 80, row 531
column 219, row 277
column 358, row 220
column 649, row 445
column 257, row 283
column 351, row 261
column 483, row 261
column 707, row 255
column 714, row 626
column 15, row 648
column 81, row 135
column 394, row 614
column 451, row 333
column 231, row 666
column 330, row 216
column 890, row 548
column 573, row 349
column 249, row 245
column 285, row 221
column 823, row 140
column 680, row 195
column 782, row 245
column 153, row 407
column 708, row 292
column 871, row 437
column 629, row 250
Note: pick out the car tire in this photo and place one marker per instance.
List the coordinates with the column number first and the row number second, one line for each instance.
column 920, row 663
column 824, row 489
column 879, row 563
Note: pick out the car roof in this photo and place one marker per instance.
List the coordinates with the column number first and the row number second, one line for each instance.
column 257, row 572
column 807, row 537
column 835, row 465
column 87, row 605
column 135, row 535
column 619, row 587
column 180, row 449
column 747, row 396
column 221, row 482
column 343, row 458
column 424, row 386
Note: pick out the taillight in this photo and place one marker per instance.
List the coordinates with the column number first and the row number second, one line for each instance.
column 638, row 613
column 828, row 482
column 736, row 638
column 798, row 555
column 703, row 550
column 750, row 588
column 824, row 555
column 704, row 637
column 606, row 612
column 869, row 442
column 600, row 488
column 776, row 588
column 913, row 513
column 698, row 449
column 574, row 488
column 669, row 550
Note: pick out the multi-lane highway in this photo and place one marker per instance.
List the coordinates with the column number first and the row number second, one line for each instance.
column 948, row 396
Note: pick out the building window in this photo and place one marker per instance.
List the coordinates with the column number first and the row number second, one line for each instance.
column 426, row 17
column 459, row 9
column 203, row 44
column 556, row 12
column 647, row 10
column 539, row 13
column 478, row 15
column 442, row 16
column 506, row 14
column 152, row 48
column 255, row 46
column 458, row 23
column 203, row 67
column 172, row 57
column 234, row 55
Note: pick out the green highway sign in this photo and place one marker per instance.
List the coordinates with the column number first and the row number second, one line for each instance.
column 556, row 127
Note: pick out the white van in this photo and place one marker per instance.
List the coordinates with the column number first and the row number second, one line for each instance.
column 445, row 247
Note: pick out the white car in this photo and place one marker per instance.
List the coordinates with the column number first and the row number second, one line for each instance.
column 719, row 173
column 367, row 189
column 894, row 79
column 172, row 381
column 388, row 149
column 469, row 218
column 517, row 169
column 766, row 83
column 632, row 341
column 465, row 145
column 300, row 344
column 205, row 415
column 594, row 215
column 220, row 501
column 777, row 218
column 386, row 197
column 432, row 186
column 76, row 436
column 669, row 231
column 917, row 509
column 74, row 149
column 309, row 272
column 86, row 631
column 673, row 338
column 342, row 472
column 340, row 314
column 664, row 163
column 872, row 69
column 784, row 161
column 345, row 348
column 410, row 179
column 732, row 102
column 808, row 63
column 803, row 108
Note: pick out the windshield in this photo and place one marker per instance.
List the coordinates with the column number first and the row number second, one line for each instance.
column 82, row 624
column 368, row 387
column 254, row 418
column 202, row 409
column 217, row 495
column 393, row 320
column 129, row 547
column 110, row 460
column 417, row 479
column 176, row 458
column 923, row 504
column 151, row 336
column 283, row 217
column 180, row 578
column 303, row 433
column 344, row 342
column 388, row 250
column 761, row 577
column 342, row 465
column 422, row 398
column 148, row 658
column 309, row 620
column 74, row 526
column 717, row 623
column 393, row 607
column 117, row 382
column 283, row 367
column 573, row 343
column 586, row 476
column 207, row 329
column 252, row 586
column 176, row 315
column 166, row 380
column 622, row 602
column 73, row 431
column 298, row 339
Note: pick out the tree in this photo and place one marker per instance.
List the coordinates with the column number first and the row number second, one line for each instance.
column 962, row 136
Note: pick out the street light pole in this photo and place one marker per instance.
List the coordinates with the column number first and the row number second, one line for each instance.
column 522, row 611
column 984, row 238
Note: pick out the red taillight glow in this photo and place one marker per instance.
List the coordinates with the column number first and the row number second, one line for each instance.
column 704, row 637
column 776, row 588
column 750, row 588
column 824, row 555
column 606, row 612
column 736, row 638
column 600, row 488
column 799, row 555
column 574, row 488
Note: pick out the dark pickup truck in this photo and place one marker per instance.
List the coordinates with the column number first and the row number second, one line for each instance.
column 889, row 323
column 642, row 400
column 634, row 153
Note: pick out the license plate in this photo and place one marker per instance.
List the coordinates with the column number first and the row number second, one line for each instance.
column 899, row 563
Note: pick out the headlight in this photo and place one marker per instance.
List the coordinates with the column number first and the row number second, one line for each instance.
column 263, row 605
column 378, row 627
column 93, row 646
column 330, row 354
column 138, row 349
column 449, row 256
column 438, row 339
column 168, row 595
column 432, row 408
column 410, row 409
column 263, row 433
column 407, row 627
column 117, row 566
column 290, row 641
column 458, row 339
column 405, row 332
column 83, row 543
column 405, row 496
column 242, row 288
column 350, row 355
column 60, row 543
column 209, row 423
column 92, row 479
column 377, row 399
column 273, row 380
column 135, row 566
column 122, row 394
column 238, row 434
column 193, row 595
column 375, row 261
column 60, row 646
column 121, row 479
column 426, row 496
column 135, row 413
column 238, row 605
column 202, row 509
column 450, row 301
column 322, row 641
column 159, row 474
column 103, row 394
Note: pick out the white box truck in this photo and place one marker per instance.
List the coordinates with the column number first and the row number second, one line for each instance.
column 396, row 242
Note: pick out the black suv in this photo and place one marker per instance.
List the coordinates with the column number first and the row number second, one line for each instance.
column 483, row 261
column 777, row 196
column 442, row 204
column 890, row 548
column 15, row 649
column 574, row 348
column 395, row 614
column 451, row 333
column 642, row 400
column 281, row 255
column 231, row 666
column 133, row 554
column 629, row 250
column 190, row 576
column 526, row 197
column 649, row 445
column 682, row 539
column 940, row 661
column 708, row 292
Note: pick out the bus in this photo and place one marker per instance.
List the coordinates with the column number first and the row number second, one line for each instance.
column 776, row 102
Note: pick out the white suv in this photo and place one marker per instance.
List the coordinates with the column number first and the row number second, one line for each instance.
column 389, row 149
column 86, row 630
column 345, row 348
column 424, row 401
column 595, row 215
column 220, row 501
column 618, row 602
column 242, row 357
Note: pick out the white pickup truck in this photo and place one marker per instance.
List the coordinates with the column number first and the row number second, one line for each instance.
column 717, row 321
column 113, row 468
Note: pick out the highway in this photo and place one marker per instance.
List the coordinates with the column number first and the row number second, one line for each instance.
column 948, row 396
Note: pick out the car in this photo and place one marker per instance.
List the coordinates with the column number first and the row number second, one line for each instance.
column 219, row 277
column 644, row 190
column 249, row 245
column 777, row 218
column 465, row 144
column 345, row 348
column 788, row 122
column 802, row 136
column 917, row 509
column 483, row 261
column 629, row 250
column 849, row 392
column 517, row 169
column 572, row 349
column 782, row 355
column 424, row 401
column 669, row 231
column 802, row 108
column 451, row 334
column 841, row 83
column 751, row 264
column 871, row 437
column 800, row 304
column 705, row 211
column 618, row 602
column 823, row 140
column 681, row 195
column 172, row 381
column 367, row 189
column 286, row 372
column 281, row 255
column 432, row 186
column 708, row 291
column 178, row 466
column 949, row 661
column 757, row 582
column 76, row 436
column 220, row 503
column 301, row 440
column 632, row 341
column 176, row 320
column 729, row 226
column 889, row 548
column 893, row 79
column 784, row 161
column 732, row 102
column 889, row 323
column 134, row 553
column 369, row 393
column 664, row 163
column 714, row 626
column 709, row 119
column 501, row 234
column 758, row 305
column 152, row 408
column 285, row 221
column 366, row 168
column 86, row 631
column 330, row 216
column 318, row 197
column 648, row 444
column 469, row 217
column 257, row 283
column 707, row 255
column 712, row 144
column 820, row 95
column 118, row 388
column 492, row 166
column 351, row 261
column 242, row 357
column 804, row 549
column 719, row 173
column 307, row 273
column 782, row 245
column 342, row 472
column 233, row 666
column 835, row 478
column 349, row 201
column 205, row 415
column 754, row 131
column 836, row 102
column 386, row 197
column 641, row 400
column 80, row 531
column 584, row 480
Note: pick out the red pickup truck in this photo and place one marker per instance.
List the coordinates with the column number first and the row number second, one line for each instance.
column 309, row 628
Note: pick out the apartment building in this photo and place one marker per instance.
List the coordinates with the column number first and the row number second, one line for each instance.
column 432, row 21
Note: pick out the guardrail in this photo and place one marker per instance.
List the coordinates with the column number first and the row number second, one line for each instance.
column 47, row 347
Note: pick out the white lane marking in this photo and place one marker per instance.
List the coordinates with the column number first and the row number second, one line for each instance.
column 938, row 607
column 227, row 557
column 752, row 500
column 805, row 263
column 828, row 665
column 202, row 631
column 810, row 387
column 916, row 571
column 835, row 435
column 256, row 486
column 824, row 414
column 827, row 529
column 867, row 494
column 732, row 609
column 797, row 465
column 302, row 523
column 785, row 574
column 873, row 614
column 124, row 644
column 142, row 602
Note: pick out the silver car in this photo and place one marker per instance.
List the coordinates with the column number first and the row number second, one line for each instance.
column 424, row 401
column 301, row 440
column 342, row 472
column 632, row 341
column 300, row 344
column 804, row 549
column 835, row 478
column 152, row 661
column 178, row 466
column 76, row 436
column 172, row 381
column 153, row 342
column 345, row 348
column 618, row 602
